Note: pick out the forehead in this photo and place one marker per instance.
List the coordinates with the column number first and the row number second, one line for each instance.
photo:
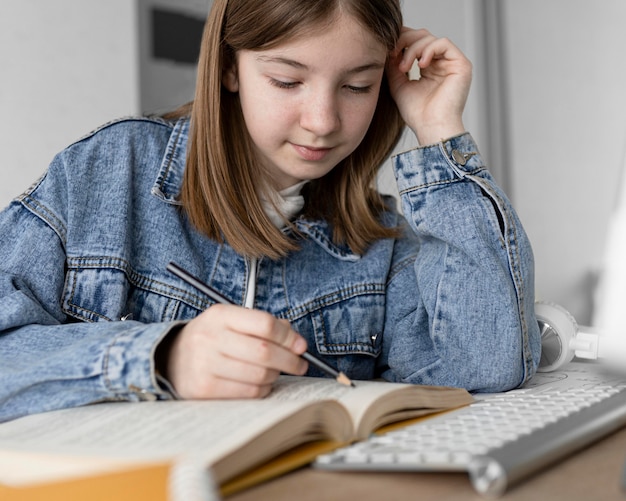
column 344, row 38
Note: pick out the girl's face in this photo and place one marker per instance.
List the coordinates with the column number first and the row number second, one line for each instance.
column 308, row 103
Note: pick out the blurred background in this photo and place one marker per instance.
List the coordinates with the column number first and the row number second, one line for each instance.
column 546, row 107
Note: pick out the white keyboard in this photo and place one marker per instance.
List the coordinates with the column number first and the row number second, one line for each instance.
column 502, row 438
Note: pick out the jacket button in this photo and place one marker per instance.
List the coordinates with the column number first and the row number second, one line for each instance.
column 143, row 394
column 460, row 158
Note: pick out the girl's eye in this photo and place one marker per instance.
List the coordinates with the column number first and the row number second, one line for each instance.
column 283, row 85
column 359, row 90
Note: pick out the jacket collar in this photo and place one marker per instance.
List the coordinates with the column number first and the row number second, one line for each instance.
column 170, row 177
column 320, row 232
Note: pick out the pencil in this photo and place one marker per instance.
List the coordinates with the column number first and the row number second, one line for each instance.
column 183, row 274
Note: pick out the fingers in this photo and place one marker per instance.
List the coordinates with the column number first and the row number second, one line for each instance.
column 261, row 325
column 233, row 352
column 234, row 379
column 269, row 343
column 411, row 45
column 228, row 389
column 423, row 47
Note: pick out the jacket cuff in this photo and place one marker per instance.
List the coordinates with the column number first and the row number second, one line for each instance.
column 450, row 160
column 130, row 371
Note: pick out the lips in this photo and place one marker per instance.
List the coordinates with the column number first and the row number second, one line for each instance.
column 311, row 154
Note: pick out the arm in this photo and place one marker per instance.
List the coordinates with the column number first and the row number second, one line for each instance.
column 474, row 267
column 47, row 361
column 57, row 352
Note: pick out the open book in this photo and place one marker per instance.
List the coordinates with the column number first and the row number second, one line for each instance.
column 231, row 437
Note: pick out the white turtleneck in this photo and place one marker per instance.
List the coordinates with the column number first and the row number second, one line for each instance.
column 286, row 204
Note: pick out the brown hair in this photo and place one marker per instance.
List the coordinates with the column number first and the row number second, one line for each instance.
column 220, row 190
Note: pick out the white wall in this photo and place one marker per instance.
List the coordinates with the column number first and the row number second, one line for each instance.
column 566, row 74
column 67, row 66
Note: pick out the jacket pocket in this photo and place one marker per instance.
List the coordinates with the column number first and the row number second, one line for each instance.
column 107, row 289
column 346, row 329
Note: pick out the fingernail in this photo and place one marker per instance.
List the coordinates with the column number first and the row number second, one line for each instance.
column 300, row 345
column 304, row 366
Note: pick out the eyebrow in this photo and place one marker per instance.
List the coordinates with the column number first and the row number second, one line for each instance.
column 298, row 65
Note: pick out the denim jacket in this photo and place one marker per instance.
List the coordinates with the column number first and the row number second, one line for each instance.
column 85, row 297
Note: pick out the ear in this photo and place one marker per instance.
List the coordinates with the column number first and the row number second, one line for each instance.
column 230, row 80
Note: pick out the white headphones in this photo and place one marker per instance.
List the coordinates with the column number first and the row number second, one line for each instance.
column 562, row 339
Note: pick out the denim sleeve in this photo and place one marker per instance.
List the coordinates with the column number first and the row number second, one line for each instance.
column 470, row 322
column 47, row 361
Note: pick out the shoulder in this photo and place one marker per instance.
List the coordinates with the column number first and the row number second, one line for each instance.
column 115, row 157
column 123, row 146
column 124, row 130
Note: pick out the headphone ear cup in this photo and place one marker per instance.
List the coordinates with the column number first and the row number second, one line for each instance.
column 558, row 329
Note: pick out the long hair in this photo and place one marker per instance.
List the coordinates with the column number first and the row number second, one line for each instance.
column 220, row 190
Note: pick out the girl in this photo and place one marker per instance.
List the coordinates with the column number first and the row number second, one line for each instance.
column 263, row 187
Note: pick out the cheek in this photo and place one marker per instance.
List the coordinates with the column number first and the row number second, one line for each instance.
column 253, row 118
column 264, row 116
column 267, row 125
column 359, row 119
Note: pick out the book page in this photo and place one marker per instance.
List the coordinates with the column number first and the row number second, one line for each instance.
column 130, row 433
column 83, row 440
column 372, row 403
column 356, row 399
column 147, row 430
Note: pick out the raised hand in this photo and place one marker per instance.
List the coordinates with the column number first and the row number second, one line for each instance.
column 432, row 106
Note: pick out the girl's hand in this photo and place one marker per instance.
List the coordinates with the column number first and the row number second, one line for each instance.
column 233, row 352
column 433, row 105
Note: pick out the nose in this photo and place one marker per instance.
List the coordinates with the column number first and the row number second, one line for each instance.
column 320, row 114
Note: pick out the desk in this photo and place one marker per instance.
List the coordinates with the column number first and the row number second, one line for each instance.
column 593, row 474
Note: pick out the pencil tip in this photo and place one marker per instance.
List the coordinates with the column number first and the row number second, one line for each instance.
column 343, row 379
